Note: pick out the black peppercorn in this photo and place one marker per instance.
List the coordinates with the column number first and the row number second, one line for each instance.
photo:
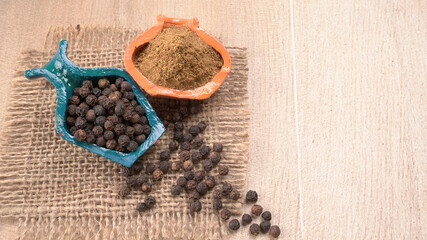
column 80, row 135
column 100, row 141
column 71, row 121
column 176, row 117
column 254, row 229
column 116, row 120
column 125, row 86
column 88, row 84
column 181, row 181
column 108, row 135
column 196, row 157
column 111, row 144
column 194, row 130
column 91, row 100
column 187, row 137
column 96, row 92
column 146, row 187
column 165, row 156
column 108, row 104
column 90, row 137
column 176, row 166
column 193, row 195
column 205, row 151
column 197, row 142
column 130, row 131
column 191, row 185
column 141, row 207
column 126, row 172
column 106, row 92
column 98, row 131
column 150, row 201
column 217, row 204
column 119, row 81
column 189, row 175
column 217, row 147
column 275, row 231
column 164, row 166
column 80, row 123
column 140, row 139
column 246, row 219
column 119, row 109
column 226, row 188
column 84, row 92
column 210, row 181
column 103, row 83
column 74, row 100
column 234, row 195
column 109, row 125
column 157, row 175
column 215, row 157
column 135, row 118
column 207, row 165
column 185, row 146
column 120, row 129
column 100, row 120
column 101, row 99
column 75, row 91
column 184, row 155
column 225, row 214
column 140, row 110
column 234, row 224
column 188, row 165
column 119, row 148
column 176, row 190
column 202, row 188
column 265, row 226
column 178, row 126
column 199, row 175
column 222, row 170
column 123, row 140
column 173, row 145
column 146, row 130
column 183, row 111
column 71, row 110
column 256, row 210
column 178, row 136
column 132, row 146
column 113, row 87
column 149, row 168
column 82, row 109
column 217, row 194
column 202, row 126
column 133, row 181
column 195, row 206
column 251, row 196
column 73, row 130
column 124, row 191
column 137, row 167
column 266, row 215
column 138, row 129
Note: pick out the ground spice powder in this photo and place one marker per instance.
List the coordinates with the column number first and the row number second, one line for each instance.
column 178, row 58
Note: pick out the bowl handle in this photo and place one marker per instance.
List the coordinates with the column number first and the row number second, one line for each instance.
column 161, row 19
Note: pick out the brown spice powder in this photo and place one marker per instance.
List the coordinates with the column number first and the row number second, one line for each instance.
column 178, row 58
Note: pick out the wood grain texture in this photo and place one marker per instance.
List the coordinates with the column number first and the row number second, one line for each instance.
column 361, row 92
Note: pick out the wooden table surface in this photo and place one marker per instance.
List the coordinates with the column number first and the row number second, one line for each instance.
column 337, row 95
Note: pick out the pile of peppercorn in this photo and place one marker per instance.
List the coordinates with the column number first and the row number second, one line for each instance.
column 256, row 211
column 107, row 114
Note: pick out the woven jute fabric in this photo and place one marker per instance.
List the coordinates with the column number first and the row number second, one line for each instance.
column 60, row 191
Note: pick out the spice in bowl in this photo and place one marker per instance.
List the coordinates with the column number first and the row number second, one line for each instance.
column 178, row 58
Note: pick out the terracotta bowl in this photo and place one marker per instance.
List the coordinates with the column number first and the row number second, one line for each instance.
column 202, row 92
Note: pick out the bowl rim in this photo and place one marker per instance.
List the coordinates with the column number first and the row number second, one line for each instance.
column 200, row 93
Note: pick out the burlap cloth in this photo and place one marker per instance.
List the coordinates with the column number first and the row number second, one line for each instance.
column 60, row 191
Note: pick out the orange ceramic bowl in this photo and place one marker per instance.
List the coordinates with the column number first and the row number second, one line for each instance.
column 202, row 92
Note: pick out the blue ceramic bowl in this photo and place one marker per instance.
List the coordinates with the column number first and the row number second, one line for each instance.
column 66, row 76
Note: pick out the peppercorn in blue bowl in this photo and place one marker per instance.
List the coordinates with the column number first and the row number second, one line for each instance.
column 66, row 76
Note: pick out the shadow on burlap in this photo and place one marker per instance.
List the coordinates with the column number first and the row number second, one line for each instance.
column 60, row 191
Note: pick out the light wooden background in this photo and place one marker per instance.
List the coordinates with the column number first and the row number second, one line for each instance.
column 338, row 146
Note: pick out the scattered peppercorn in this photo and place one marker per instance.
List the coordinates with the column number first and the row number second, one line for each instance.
column 217, row 204
column 196, row 157
column 189, row 175
column 265, row 226
column 146, row 187
column 165, row 156
column 150, row 201
column 178, row 136
column 205, row 150
column 217, row 147
column 234, row 195
column 251, row 196
column 124, row 191
column 126, row 172
column 195, row 206
column 254, row 229
column 187, row 137
column 225, row 214
column 197, row 142
column 202, row 188
column 266, row 215
column 178, row 126
column 193, row 195
column 157, row 175
column 207, row 165
column 176, row 190
column 188, row 165
column 164, row 166
column 210, row 181
column 173, row 145
column 194, row 130
column 215, row 157
column 150, row 168
column 222, row 170
column 234, row 224
column 217, row 194
column 184, row 155
column 256, row 210
column 275, row 231
column 226, row 188
column 185, row 146
column 141, row 207
column 181, row 181
column 202, row 126
column 191, row 185
column 176, row 166
column 246, row 219
column 199, row 175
